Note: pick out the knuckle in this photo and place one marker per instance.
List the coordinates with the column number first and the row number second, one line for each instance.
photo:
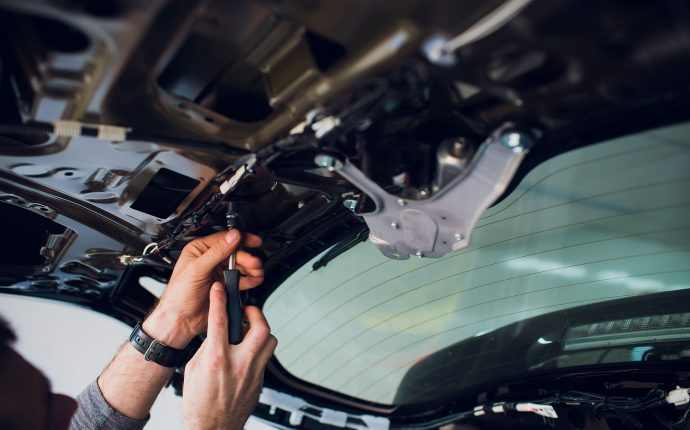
column 216, row 251
column 254, row 349
column 218, row 325
column 192, row 247
column 217, row 360
column 272, row 342
column 263, row 332
column 218, row 295
column 254, row 261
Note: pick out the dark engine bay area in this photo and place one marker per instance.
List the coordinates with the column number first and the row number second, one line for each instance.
column 129, row 128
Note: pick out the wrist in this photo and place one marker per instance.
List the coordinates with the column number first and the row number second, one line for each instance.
column 168, row 328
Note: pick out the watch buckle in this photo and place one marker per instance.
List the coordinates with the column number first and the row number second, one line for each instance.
column 151, row 349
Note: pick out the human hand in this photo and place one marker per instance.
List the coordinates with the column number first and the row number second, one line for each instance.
column 222, row 382
column 182, row 312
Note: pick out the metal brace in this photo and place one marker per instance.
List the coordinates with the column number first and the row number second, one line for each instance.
column 443, row 222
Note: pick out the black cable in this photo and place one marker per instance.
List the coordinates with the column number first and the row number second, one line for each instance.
column 189, row 223
column 680, row 424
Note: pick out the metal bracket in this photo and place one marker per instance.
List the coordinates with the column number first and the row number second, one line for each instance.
column 443, row 222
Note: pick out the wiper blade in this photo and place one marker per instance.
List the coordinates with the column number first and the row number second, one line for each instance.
column 341, row 247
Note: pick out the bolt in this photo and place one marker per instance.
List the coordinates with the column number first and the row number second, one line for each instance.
column 394, row 225
column 46, row 268
column 457, row 147
column 396, row 255
column 517, row 142
column 327, row 161
column 300, row 204
column 424, row 192
column 437, row 52
column 401, row 202
column 351, row 204
column 458, row 236
column 419, row 254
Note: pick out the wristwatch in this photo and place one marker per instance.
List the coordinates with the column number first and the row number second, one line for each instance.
column 155, row 350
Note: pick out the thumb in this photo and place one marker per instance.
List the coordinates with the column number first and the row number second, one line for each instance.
column 217, row 332
column 219, row 250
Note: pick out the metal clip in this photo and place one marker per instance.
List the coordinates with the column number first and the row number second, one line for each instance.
column 151, row 248
column 129, row 260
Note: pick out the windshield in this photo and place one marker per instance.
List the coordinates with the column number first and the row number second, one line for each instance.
column 604, row 222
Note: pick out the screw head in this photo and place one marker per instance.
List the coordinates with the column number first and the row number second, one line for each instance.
column 46, row 268
column 424, row 192
column 351, row 204
column 458, row 236
column 517, row 142
column 419, row 254
column 394, row 225
column 401, row 202
column 327, row 161
column 396, row 255
column 436, row 52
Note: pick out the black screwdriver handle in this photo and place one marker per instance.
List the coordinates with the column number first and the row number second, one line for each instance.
column 234, row 305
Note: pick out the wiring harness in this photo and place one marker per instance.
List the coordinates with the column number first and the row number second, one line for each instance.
column 601, row 406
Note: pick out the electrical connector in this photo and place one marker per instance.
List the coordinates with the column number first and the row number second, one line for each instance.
column 501, row 408
column 678, row 397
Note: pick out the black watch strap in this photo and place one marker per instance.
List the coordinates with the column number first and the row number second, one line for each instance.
column 155, row 350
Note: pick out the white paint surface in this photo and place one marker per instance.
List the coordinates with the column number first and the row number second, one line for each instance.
column 51, row 336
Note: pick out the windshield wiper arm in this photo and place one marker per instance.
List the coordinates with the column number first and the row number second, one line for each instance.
column 341, row 247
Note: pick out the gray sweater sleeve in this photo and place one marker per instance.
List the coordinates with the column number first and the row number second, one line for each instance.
column 94, row 413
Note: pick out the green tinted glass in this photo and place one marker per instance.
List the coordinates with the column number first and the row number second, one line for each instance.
column 599, row 223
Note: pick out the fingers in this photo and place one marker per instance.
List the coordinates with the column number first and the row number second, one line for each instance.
column 217, row 331
column 250, row 266
column 251, row 240
column 212, row 250
column 259, row 339
column 247, row 283
column 248, row 261
column 220, row 246
column 200, row 245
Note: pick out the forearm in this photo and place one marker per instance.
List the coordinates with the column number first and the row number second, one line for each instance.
column 131, row 384
column 95, row 413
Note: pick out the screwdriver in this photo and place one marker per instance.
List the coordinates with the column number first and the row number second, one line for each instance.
column 231, row 277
